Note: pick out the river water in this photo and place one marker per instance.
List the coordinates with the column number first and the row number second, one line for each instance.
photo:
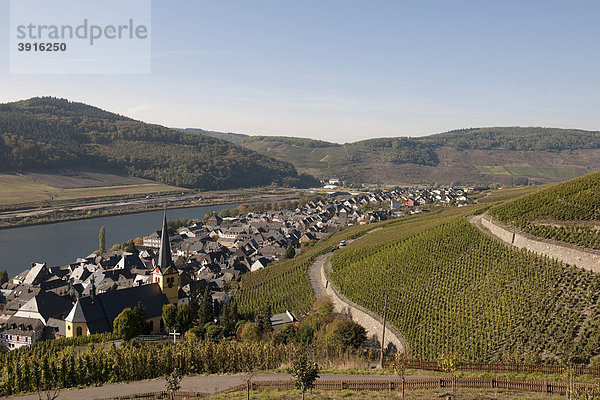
column 62, row 243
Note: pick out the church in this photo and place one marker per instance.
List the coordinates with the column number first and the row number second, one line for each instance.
column 95, row 313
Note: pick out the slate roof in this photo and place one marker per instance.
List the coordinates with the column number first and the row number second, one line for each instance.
column 100, row 311
column 46, row 304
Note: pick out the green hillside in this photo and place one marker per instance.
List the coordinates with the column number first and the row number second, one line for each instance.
column 229, row 136
column 452, row 289
column 503, row 155
column 568, row 211
column 285, row 285
column 43, row 133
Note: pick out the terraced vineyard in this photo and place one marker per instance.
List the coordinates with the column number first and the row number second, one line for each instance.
column 285, row 285
column 453, row 289
column 568, row 212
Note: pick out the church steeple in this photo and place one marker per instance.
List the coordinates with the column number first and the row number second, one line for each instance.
column 165, row 274
column 164, row 255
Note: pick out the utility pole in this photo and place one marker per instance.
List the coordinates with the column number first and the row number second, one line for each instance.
column 383, row 333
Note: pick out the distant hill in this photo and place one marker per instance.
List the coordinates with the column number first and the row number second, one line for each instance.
column 568, row 212
column 48, row 132
column 229, row 136
column 502, row 155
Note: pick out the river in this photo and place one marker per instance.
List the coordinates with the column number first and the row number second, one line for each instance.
column 62, row 243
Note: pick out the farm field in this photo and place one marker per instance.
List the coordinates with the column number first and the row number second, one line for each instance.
column 20, row 189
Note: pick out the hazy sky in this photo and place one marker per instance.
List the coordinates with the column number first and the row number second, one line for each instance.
column 348, row 70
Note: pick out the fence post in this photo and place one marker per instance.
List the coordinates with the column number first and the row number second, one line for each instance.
column 402, row 387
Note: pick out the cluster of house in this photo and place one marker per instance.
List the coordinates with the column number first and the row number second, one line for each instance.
column 84, row 297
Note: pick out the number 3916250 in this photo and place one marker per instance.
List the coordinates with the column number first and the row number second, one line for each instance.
column 42, row 46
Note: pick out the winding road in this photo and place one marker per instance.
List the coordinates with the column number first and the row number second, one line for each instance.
column 372, row 323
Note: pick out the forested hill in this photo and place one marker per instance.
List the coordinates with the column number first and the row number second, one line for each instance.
column 56, row 133
column 502, row 155
column 516, row 138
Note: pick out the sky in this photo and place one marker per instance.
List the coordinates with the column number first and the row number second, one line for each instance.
column 346, row 70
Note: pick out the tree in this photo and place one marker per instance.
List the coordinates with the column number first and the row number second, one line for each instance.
column 102, row 240
column 3, row 277
column 206, row 311
column 229, row 317
column 348, row 333
column 304, row 372
column 250, row 333
column 323, row 306
column 169, row 316
column 173, row 382
column 127, row 324
column 399, row 365
column 209, row 214
column 290, row 252
column 142, row 315
column 449, row 362
column 185, row 317
column 263, row 319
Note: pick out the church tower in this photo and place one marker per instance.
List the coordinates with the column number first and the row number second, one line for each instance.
column 165, row 273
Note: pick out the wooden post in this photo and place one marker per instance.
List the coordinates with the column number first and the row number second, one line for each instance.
column 402, row 387
column 381, row 359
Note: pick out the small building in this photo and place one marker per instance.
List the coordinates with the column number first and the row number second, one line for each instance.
column 279, row 321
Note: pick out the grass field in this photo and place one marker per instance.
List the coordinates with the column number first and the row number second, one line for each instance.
column 19, row 189
column 552, row 172
column 423, row 394
column 493, row 169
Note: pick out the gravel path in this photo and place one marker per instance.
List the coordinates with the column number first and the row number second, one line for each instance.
column 201, row 383
column 315, row 277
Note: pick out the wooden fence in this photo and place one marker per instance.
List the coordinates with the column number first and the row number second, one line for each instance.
column 559, row 388
column 426, row 383
column 509, row 368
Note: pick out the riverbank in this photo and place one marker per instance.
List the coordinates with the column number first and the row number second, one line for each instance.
column 120, row 206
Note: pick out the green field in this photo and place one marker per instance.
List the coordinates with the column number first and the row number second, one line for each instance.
column 552, row 172
column 19, row 189
column 492, row 169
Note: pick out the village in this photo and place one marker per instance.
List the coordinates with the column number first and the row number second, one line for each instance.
column 82, row 298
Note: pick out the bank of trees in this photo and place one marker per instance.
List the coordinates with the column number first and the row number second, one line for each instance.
column 54, row 133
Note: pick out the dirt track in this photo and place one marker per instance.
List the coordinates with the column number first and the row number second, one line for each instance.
column 201, row 383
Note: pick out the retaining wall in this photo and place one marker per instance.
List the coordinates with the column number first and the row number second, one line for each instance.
column 580, row 258
column 370, row 321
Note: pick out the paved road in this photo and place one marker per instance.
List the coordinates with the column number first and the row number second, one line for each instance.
column 314, row 275
column 201, row 383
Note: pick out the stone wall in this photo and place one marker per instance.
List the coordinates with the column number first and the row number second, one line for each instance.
column 369, row 320
column 581, row 258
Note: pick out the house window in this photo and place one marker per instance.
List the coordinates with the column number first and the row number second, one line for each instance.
column 151, row 324
column 162, row 326
column 69, row 327
column 79, row 331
